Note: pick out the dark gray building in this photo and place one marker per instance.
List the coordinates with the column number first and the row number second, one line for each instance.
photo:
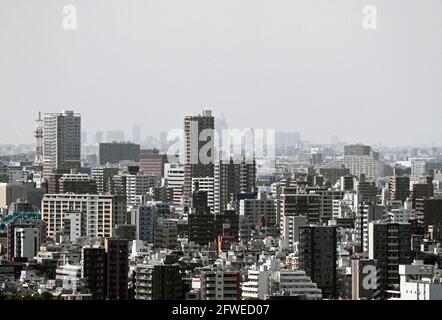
column 94, row 271
column 115, row 152
column 317, row 257
column 159, row 282
column 390, row 245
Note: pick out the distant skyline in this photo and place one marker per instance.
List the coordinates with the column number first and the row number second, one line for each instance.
column 305, row 66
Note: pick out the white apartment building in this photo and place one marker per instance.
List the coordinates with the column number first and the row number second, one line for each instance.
column 291, row 225
column 343, row 209
column 257, row 284
column 26, row 242
column 174, row 175
column 220, row 285
column 72, row 225
column 270, row 278
column 61, row 141
column 100, row 213
column 420, row 282
column 296, row 282
column 68, row 276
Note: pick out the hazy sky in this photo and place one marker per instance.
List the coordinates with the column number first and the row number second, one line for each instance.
column 306, row 66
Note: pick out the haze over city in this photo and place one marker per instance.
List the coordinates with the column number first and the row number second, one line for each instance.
column 305, row 66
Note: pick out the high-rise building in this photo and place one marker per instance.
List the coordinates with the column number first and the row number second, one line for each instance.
column 390, row 245
column 26, row 242
column 100, row 213
column 174, row 175
column 294, row 202
column 347, row 183
column 361, row 160
column 72, row 226
column 367, row 190
column 206, row 184
column 165, row 233
column 94, row 262
column 77, row 183
column 143, row 217
column 113, row 153
column 202, row 228
column 290, row 234
column 429, row 215
column 103, row 178
column 61, row 141
column 232, row 178
column 422, row 190
column 327, row 196
column 317, row 257
column 367, row 212
column 137, row 186
column 117, row 251
column 199, row 149
column 253, row 212
column 152, row 162
column 357, row 150
column 333, row 175
column 399, row 187
column 23, row 243
column 424, row 167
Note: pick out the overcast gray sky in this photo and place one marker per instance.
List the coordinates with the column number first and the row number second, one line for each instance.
column 306, row 66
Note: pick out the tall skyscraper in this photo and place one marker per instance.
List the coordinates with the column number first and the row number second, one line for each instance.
column 199, row 149
column 317, row 256
column 61, row 141
column 232, row 178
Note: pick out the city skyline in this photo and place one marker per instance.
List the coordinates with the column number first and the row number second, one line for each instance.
column 304, row 66
column 221, row 157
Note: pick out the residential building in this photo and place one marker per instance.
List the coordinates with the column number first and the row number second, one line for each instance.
column 61, row 141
